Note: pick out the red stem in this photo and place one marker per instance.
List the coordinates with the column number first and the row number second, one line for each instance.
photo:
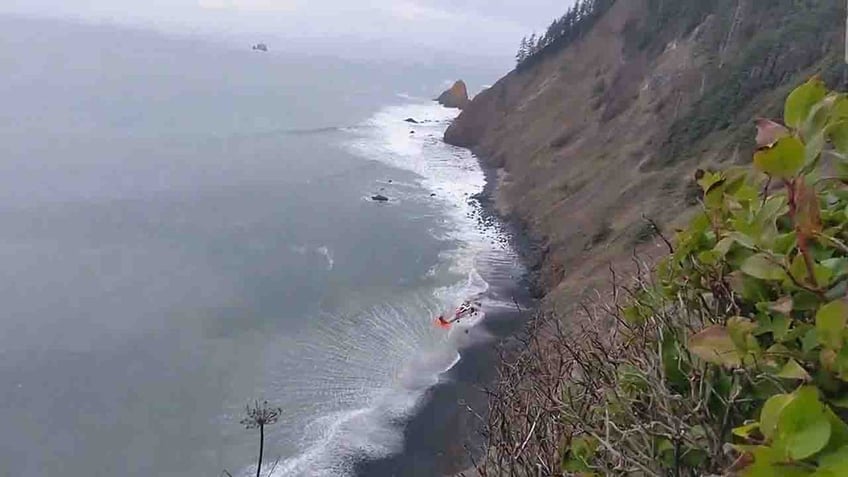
column 802, row 237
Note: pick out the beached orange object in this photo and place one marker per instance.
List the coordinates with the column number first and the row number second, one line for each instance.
column 441, row 322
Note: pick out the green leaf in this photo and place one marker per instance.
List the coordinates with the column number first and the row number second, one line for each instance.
column 830, row 324
column 839, row 110
column 838, row 431
column 708, row 180
column 746, row 430
column 783, row 243
column 812, row 151
column 746, row 193
column 840, row 364
column 838, row 135
column 740, row 330
column 723, row 246
column 837, row 266
column 780, row 326
column 714, row 345
column 803, row 428
column 675, row 370
column 810, row 341
column 665, row 449
column 798, row 269
column 784, row 160
column 742, row 239
column 763, row 267
column 801, row 101
column 750, row 288
column 817, row 119
column 708, row 257
column 793, row 370
column 805, row 301
column 834, row 463
column 767, row 463
column 576, row 457
column 771, row 412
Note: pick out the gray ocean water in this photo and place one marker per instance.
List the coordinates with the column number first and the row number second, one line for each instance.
column 186, row 226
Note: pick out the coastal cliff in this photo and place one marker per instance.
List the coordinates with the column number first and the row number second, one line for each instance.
column 593, row 137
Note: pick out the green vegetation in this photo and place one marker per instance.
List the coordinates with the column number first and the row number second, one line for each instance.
column 773, row 49
column 669, row 19
column 730, row 357
column 753, row 47
column 762, row 274
column 563, row 31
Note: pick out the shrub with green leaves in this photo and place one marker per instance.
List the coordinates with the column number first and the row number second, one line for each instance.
column 768, row 258
column 733, row 358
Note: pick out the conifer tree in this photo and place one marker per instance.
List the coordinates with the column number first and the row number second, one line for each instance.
column 531, row 45
column 522, row 52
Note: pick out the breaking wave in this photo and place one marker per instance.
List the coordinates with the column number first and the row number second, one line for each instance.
column 363, row 373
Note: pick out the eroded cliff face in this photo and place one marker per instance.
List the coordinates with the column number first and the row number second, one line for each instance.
column 591, row 139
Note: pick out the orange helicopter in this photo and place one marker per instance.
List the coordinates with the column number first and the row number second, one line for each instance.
column 467, row 309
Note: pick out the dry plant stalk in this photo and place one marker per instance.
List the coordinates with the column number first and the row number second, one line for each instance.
column 604, row 378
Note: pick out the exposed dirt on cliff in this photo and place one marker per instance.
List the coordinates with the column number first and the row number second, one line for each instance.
column 594, row 138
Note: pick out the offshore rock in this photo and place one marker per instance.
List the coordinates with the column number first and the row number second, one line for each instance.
column 455, row 97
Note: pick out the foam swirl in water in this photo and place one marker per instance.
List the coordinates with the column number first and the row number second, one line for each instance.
column 373, row 367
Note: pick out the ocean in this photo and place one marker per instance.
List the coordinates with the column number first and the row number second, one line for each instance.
column 187, row 227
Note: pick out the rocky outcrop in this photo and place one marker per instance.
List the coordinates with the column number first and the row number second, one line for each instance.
column 455, row 97
column 591, row 138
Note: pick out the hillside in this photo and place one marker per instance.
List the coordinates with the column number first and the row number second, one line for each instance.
column 591, row 136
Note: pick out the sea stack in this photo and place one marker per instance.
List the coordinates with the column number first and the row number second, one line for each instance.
column 455, row 97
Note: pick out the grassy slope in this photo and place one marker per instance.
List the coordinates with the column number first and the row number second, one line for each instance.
column 611, row 128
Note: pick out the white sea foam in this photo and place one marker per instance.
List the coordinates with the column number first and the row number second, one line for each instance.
column 365, row 388
column 326, row 253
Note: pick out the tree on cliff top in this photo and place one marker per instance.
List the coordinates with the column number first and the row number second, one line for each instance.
column 575, row 23
column 522, row 51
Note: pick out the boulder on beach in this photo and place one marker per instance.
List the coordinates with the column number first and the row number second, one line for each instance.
column 411, row 120
column 379, row 198
column 455, row 97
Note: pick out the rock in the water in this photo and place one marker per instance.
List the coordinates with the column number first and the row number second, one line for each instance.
column 379, row 198
column 261, row 47
column 411, row 120
column 455, row 97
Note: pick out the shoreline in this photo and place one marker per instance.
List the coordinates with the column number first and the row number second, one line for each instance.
column 438, row 435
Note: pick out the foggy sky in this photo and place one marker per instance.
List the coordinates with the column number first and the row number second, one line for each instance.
column 348, row 27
